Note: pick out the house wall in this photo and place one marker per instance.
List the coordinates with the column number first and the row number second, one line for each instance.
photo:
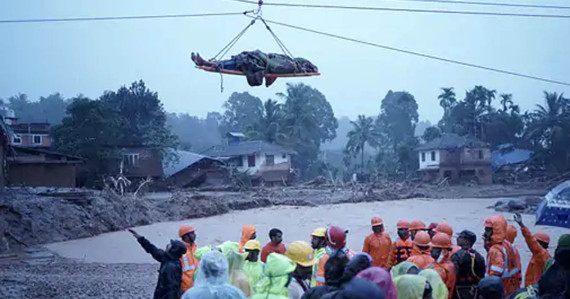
column 27, row 140
column 281, row 161
column 149, row 163
column 42, row 174
column 476, row 156
column 2, row 162
column 427, row 162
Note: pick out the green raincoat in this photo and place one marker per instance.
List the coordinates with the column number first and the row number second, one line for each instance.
column 277, row 274
column 439, row 290
column 410, row 286
column 401, row 269
column 254, row 271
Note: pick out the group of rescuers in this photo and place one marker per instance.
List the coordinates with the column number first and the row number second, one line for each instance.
column 422, row 263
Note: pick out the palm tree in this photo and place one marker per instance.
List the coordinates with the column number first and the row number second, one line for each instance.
column 550, row 123
column 506, row 99
column 364, row 131
column 447, row 101
column 268, row 127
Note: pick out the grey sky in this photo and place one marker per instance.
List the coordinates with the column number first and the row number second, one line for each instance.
column 90, row 57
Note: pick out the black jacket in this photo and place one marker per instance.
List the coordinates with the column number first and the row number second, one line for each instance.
column 334, row 268
column 470, row 269
column 170, row 272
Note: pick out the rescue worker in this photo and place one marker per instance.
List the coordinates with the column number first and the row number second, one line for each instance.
column 469, row 266
column 431, row 229
column 404, row 268
column 382, row 279
column 511, row 234
column 555, row 282
column 318, row 244
column 538, row 245
column 334, row 269
column 302, row 254
column 360, row 262
column 442, row 242
column 276, row 277
column 378, row 243
column 335, row 238
column 421, row 255
column 188, row 261
column 212, row 279
column 500, row 254
column 253, row 267
column 413, row 287
column 439, row 290
column 490, row 288
column 238, row 278
column 416, row 226
column 275, row 244
column 447, row 229
column 170, row 272
column 248, row 232
column 401, row 249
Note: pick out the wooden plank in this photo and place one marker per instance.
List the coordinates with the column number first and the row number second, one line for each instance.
column 238, row 73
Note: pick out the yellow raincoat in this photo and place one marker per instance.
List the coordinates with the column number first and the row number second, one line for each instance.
column 276, row 275
column 439, row 290
column 410, row 286
column 238, row 277
column 401, row 269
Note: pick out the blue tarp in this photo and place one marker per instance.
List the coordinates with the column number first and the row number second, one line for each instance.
column 554, row 210
column 506, row 154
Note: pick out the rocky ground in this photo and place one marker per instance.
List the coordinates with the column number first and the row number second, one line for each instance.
column 62, row 278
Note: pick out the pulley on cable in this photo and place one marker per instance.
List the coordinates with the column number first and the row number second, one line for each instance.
column 256, row 65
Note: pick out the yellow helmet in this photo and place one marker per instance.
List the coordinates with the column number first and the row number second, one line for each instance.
column 319, row 232
column 252, row 245
column 301, row 253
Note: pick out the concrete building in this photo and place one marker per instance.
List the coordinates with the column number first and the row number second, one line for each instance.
column 458, row 158
column 263, row 161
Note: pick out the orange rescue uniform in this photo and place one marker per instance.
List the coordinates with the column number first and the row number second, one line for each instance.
column 501, row 260
column 189, row 265
column 539, row 258
column 400, row 252
column 246, row 232
column 378, row 247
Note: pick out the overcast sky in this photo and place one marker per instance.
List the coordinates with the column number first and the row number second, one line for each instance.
column 90, row 57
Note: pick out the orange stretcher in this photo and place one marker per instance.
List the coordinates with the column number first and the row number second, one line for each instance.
column 240, row 73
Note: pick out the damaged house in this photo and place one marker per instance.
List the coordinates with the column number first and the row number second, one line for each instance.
column 455, row 158
column 263, row 161
column 195, row 170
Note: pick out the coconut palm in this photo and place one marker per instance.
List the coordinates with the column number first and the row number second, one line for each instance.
column 363, row 132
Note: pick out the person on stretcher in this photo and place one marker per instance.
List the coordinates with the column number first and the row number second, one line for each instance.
column 256, row 65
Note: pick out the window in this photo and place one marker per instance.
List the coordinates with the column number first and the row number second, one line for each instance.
column 237, row 161
column 131, row 159
column 433, row 156
column 269, row 160
column 480, row 154
column 16, row 139
column 37, row 139
column 284, row 156
column 423, row 156
column 251, row 161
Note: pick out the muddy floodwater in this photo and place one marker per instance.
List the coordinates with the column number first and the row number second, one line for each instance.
column 297, row 223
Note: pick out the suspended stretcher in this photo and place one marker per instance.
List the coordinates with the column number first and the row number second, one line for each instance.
column 216, row 64
column 240, row 73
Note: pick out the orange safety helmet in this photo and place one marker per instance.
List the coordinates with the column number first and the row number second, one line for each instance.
column 542, row 236
column 376, row 221
column 444, row 228
column 441, row 240
column 403, row 224
column 417, row 225
column 422, row 239
column 185, row 229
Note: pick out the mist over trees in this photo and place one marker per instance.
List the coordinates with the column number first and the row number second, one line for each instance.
column 379, row 144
